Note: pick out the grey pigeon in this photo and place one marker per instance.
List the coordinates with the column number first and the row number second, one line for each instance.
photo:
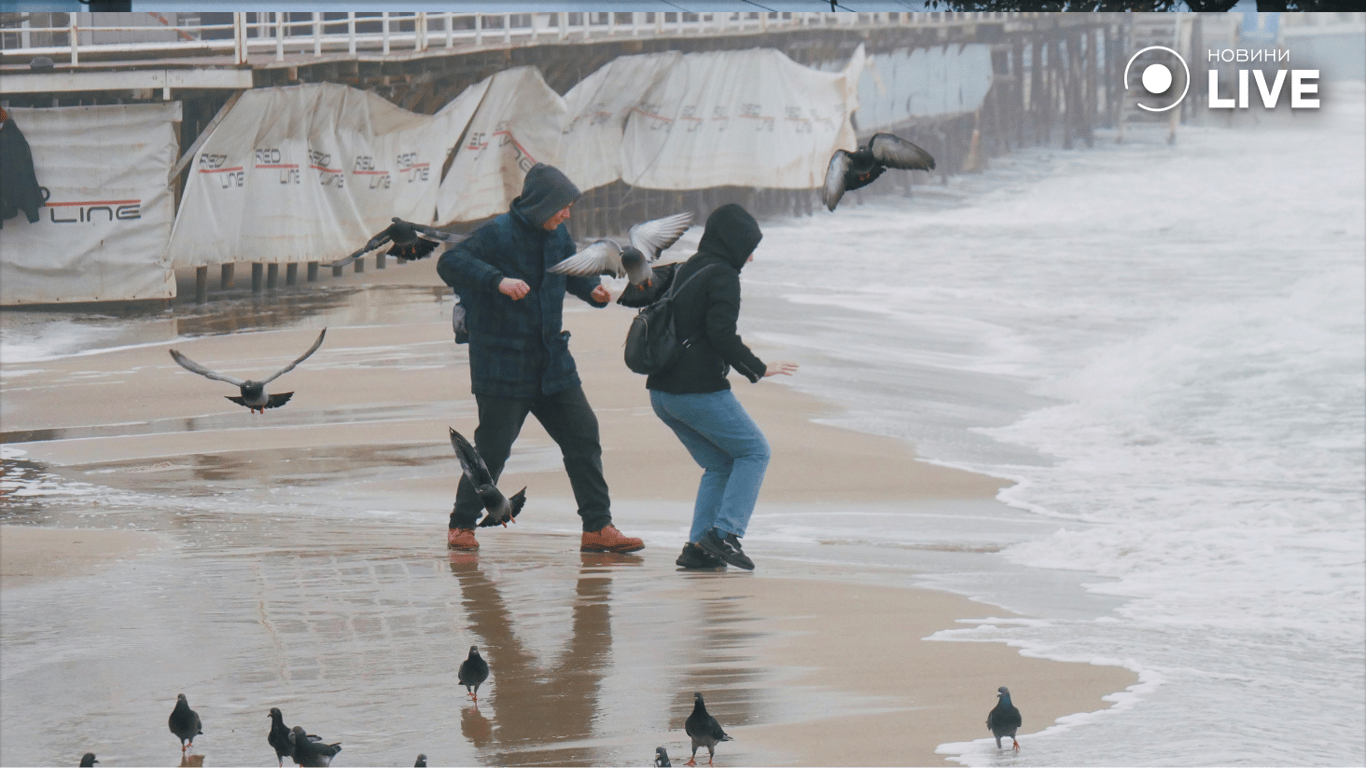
column 88, row 760
column 704, row 730
column 1004, row 719
column 608, row 257
column 184, row 722
column 421, row 762
column 310, row 752
column 852, row 170
column 254, row 394
column 501, row 509
column 281, row 738
column 473, row 672
column 662, row 758
column 410, row 241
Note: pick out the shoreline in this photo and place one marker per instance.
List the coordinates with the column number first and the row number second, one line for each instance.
column 900, row 684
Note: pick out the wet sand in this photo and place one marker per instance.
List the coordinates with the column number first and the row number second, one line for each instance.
column 296, row 559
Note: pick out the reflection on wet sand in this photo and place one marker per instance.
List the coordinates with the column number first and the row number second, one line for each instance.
column 534, row 705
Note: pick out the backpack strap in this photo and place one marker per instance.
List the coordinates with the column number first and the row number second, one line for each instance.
column 677, row 286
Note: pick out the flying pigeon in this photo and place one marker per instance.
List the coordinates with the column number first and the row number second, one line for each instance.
column 704, row 730
column 184, row 722
column 1004, row 720
column 253, row 394
column 852, row 170
column 88, row 760
column 421, row 762
column 410, row 241
column 501, row 509
column 473, row 672
column 662, row 758
column 310, row 752
column 608, row 257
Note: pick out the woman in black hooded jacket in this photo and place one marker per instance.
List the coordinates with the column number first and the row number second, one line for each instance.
column 692, row 396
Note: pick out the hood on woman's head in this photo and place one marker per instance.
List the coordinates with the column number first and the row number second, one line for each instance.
column 545, row 192
column 732, row 234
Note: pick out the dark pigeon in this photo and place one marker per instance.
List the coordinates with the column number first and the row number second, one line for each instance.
column 1004, row 720
column 852, row 170
column 310, row 752
column 608, row 257
column 501, row 509
column 88, row 760
column 473, row 672
column 409, row 242
column 281, row 738
column 662, row 758
column 421, row 762
column 253, row 394
column 184, row 722
column 704, row 730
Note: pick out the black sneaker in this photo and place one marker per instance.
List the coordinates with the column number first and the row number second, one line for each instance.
column 694, row 557
column 727, row 549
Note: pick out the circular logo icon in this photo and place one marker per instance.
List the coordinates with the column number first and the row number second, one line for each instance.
column 1157, row 75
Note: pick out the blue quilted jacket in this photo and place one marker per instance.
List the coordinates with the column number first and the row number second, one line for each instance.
column 517, row 348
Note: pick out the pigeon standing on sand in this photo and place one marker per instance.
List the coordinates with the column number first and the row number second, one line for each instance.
column 281, row 738
column 410, row 242
column 253, row 394
column 501, row 509
column 852, row 170
column 88, row 760
column 662, row 758
column 421, row 762
column 310, row 752
column 1004, row 720
column 704, row 730
column 608, row 257
column 473, row 672
column 184, row 722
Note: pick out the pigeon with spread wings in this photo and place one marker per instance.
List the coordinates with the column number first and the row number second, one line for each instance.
column 410, row 242
column 254, row 394
column 501, row 509
column 608, row 257
column 852, row 170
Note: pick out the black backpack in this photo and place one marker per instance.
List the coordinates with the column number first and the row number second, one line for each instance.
column 651, row 343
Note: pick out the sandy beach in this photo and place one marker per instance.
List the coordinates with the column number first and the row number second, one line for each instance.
column 297, row 559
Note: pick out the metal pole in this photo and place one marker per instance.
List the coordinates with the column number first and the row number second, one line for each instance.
column 317, row 34
column 384, row 19
column 279, row 37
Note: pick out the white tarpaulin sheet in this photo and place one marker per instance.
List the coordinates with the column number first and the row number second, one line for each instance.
column 925, row 82
column 102, row 235
column 517, row 125
column 596, row 112
column 742, row 118
column 311, row 172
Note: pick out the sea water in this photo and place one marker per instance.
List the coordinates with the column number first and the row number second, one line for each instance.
column 1163, row 347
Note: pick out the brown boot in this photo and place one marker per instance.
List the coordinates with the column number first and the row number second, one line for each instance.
column 609, row 539
column 461, row 538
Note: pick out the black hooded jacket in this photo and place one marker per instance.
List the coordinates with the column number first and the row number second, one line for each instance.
column 706, row 309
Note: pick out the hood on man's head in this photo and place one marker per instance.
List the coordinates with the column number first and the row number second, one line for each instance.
column 731, row 233
column 545, row 191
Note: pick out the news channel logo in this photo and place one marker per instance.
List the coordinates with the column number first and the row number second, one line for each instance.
column 1156, row 70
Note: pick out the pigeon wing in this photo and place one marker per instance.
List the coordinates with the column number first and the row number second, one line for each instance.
column 601, row 258
column 191, row 365
column 895, row 152
column 300, row 359
column 834, row 179
column 437, row 235
column 375, row 242
column 470, row 460
column 651, row 237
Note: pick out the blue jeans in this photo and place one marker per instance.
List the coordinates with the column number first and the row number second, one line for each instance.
column 729, row 447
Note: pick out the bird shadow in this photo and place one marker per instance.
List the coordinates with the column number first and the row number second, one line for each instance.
column 191, row 761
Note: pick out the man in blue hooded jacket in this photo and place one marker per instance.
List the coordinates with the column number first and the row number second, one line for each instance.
column 519, row 355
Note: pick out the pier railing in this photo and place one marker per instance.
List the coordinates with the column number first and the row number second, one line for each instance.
column 244, row 35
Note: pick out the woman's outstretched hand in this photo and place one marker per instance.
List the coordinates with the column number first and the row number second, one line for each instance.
column 786, row 369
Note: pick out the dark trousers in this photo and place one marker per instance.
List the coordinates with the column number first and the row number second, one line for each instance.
column 570, row 422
